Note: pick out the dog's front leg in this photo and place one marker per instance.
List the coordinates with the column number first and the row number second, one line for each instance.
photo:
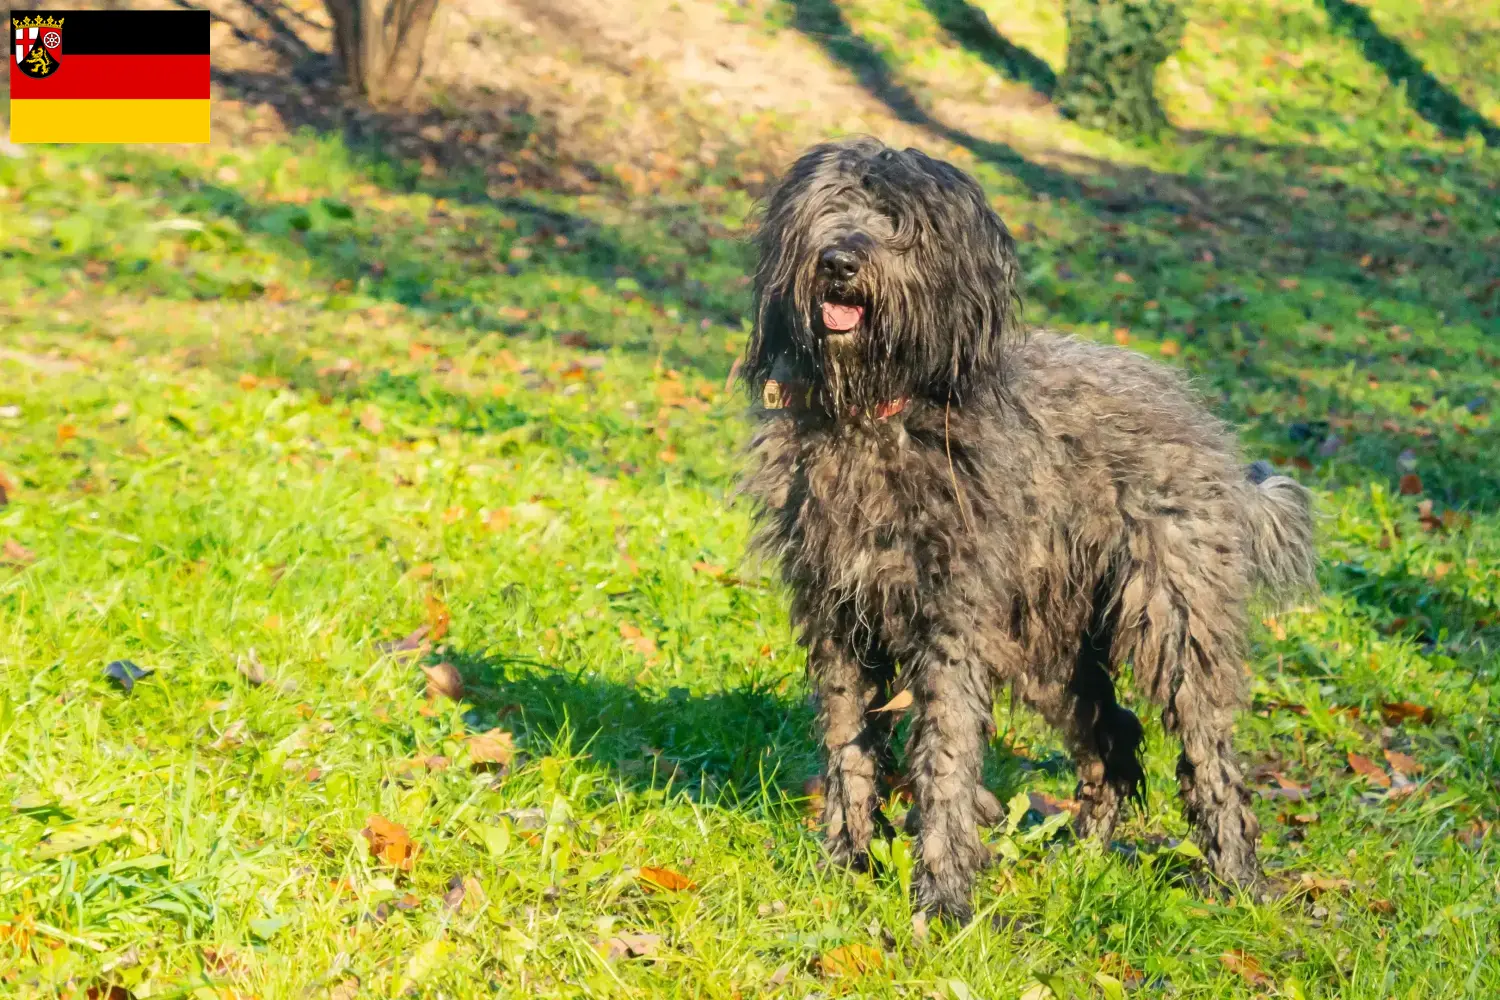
column 856, row 745
column 949, row 733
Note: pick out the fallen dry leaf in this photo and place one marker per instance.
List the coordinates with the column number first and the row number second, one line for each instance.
column 664, row 878
column 1316, row 885
column 16, row 554
column 412, row 643
column 438, row 618
column 630, row 946
column 1049, row 806
column 1122, row 336
column 250, row 668
column 1369, row 769
column 637, row 640
column 851, row 961
column 390, row 842
column 1396, row 712
column 491, row 751
column 1246, row 966
column 370, row 420
column 709, row 568
column 1384, row 907
column 900, row 703
column 65, row 433
column 445, row 680
column 1402, row 763
column 1170, row 349
column 346, row 989
column 1411, row 484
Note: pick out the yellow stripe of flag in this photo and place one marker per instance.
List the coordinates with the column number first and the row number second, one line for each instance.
column 109, row 121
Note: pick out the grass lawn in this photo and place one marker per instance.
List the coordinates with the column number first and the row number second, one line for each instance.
column 417, row 503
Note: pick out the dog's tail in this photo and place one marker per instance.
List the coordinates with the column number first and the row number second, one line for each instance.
column 1279, row 533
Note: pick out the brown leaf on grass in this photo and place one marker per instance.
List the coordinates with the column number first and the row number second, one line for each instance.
column 1049, row 806
column 250, row 668
column 1403, row 764
column 637, row 640
column 900, row 703
column 629, row 946
column 851, row 961
column 709, row 568
column 1476, row 831
column 1123, row 278
column 346, row 989
column 1170, row 348
column 1384, row 907
column 1396, row 712
column 438, row 618
column 390, row 842
column 1286, row 789
column 491, row 751
column 1316, row 885
column 15, row 554
column 415, row 642
column 65, row 433
column 444, row 679
column 1122, row 336
column 1410, row 485
column 813, row 789
column 1369, row 769
column 370, row 420
column 464, row 894
column 1246, row 966
column 664, row 878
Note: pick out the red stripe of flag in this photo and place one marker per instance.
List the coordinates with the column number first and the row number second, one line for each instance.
column 117, row 77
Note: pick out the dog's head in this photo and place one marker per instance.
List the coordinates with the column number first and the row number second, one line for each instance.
column 883, row 274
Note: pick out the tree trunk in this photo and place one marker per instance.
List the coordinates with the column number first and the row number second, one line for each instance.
column 1114, row 50
column 379, row 43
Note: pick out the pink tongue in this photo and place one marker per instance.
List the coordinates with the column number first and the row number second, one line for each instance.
column 840, row 318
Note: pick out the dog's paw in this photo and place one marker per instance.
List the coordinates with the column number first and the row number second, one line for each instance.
column 842, row 852
column 942, row 898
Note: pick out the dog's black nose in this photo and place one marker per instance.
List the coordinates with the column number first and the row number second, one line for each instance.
column 840, row 265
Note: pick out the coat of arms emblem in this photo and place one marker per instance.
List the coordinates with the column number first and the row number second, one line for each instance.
column 38, row 44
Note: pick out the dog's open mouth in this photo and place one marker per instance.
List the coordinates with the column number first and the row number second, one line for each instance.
column 839, row 317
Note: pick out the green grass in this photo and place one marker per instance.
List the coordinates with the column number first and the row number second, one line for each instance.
column 302, row 399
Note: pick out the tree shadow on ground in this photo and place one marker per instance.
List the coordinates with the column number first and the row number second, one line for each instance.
column 1427, row 95
column 739, row 738
column 971, row 28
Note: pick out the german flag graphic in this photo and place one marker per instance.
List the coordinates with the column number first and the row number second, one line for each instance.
column 109, row 76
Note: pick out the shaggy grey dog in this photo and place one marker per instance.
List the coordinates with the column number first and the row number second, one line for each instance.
column 958, row 506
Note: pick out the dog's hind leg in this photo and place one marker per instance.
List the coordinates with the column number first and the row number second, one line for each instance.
column 949, row 733
column 1185, row 638
column 856, row 744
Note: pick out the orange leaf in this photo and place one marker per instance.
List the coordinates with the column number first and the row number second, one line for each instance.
column 1396, row 712
column 1123, row 278
column 492, row 750
column 900, row 703
column 1170, row 349
column 444, row 679
column 390, row 842
column 1402, row 763
column 248, row 381
column 370, row 420
column 709, row 568
column 1411, row 484
column 1049, row 806
column 437, row 618
column 1122, row 336
column 65, row 433
column 636, row 640
column 16, row 554
column 664, row 878
column 851, row 961
column 1246, row 966
column 1369, row 769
